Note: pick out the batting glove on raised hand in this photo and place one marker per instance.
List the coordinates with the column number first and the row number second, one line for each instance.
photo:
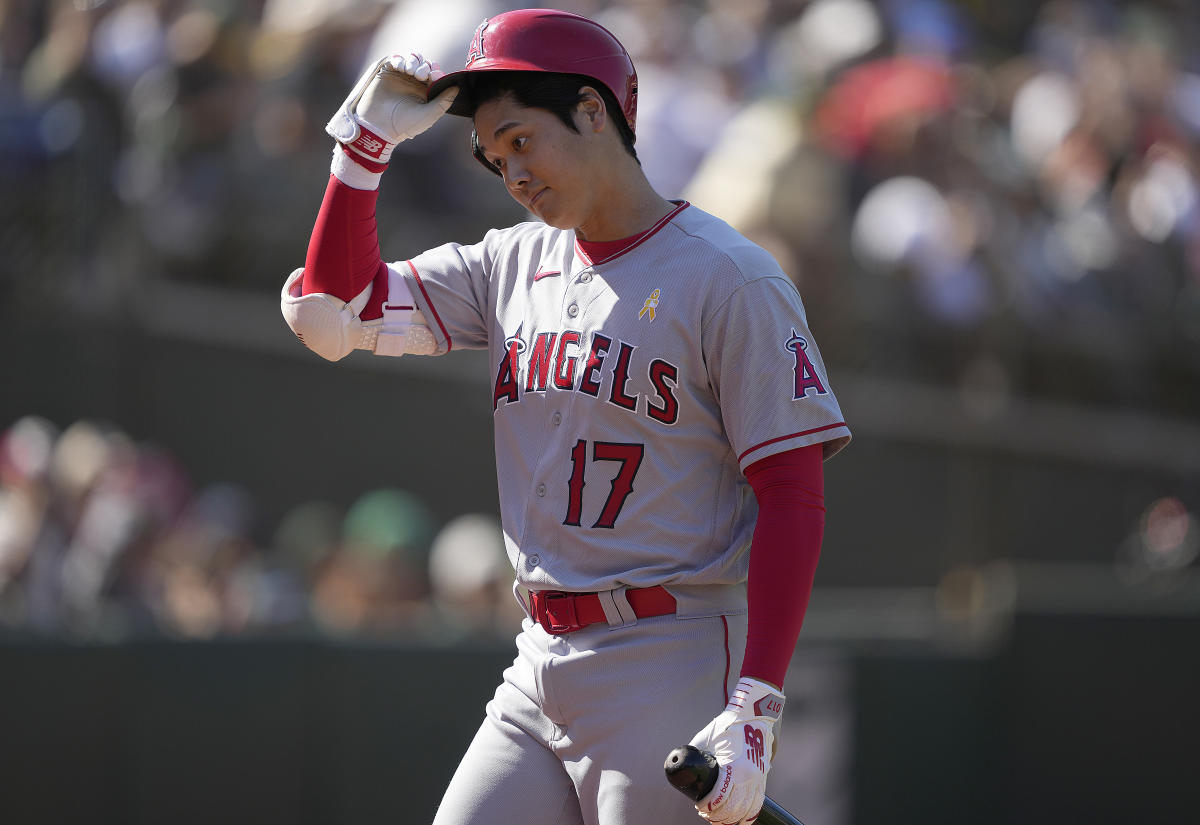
column 742, row 739
column 388, row 105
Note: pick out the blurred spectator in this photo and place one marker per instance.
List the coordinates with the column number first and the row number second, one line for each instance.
column 303, row 541
column 26, row 453
column 377, row 578
column 472, row 582
column 200, row 564
column 1161, row 551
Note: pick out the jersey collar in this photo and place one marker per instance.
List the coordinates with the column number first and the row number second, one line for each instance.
column 594, row 253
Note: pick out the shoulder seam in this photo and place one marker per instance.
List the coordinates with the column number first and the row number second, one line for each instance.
column 730, row 260
column 746, row 282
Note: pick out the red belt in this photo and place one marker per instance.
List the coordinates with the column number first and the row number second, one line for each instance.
column 561, row 612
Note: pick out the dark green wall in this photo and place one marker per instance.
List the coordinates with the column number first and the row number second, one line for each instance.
column 234, row 732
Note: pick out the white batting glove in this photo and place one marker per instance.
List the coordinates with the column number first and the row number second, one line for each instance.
column 742, row 739
column 387, row 105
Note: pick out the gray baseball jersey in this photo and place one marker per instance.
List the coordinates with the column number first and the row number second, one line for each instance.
column 630, row 393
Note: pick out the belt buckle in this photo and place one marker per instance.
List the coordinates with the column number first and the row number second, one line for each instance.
column 542, row 608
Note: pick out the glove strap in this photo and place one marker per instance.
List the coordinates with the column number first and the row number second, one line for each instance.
column 371, row 145
column 754, row 698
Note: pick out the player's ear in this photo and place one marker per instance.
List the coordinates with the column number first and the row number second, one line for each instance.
column 591, row 108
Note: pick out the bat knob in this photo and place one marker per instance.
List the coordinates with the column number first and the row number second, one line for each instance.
column 692, row 771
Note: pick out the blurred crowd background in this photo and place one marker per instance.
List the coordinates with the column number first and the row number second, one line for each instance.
column 999, row 193
column 994, row 198
column 103, row 538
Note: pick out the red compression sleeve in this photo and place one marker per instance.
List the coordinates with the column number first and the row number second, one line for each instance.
column 783, row 556
column 343, row 252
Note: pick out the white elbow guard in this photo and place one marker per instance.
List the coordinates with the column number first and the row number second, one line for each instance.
column 332, row 329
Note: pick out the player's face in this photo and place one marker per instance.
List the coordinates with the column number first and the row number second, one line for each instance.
column 546, row 167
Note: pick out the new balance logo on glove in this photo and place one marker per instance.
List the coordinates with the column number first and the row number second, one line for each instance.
column 369, row 145
column 755, row 749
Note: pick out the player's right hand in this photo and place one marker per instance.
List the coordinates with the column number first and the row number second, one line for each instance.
column 388, row 105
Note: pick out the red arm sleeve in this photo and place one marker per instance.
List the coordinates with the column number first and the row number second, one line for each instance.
column 343, row 251
column 783, row 556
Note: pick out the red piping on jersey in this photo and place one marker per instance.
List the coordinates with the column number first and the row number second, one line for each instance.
column 436, row 317
column 725, row 681
column 791, row 435
column 626, row 244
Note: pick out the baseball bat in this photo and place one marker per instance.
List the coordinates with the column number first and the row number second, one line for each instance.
column 694, row 772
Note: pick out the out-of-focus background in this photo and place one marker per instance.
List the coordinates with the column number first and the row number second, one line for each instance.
column 240, row 584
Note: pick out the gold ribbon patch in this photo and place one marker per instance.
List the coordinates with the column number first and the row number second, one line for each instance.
column 651, row 305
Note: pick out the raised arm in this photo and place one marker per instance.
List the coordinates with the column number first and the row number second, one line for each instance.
column 343, row 299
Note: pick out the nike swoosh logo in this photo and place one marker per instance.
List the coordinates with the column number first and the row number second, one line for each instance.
column 545, row 273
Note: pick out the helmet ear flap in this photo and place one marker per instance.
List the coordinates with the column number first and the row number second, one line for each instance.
column 477, row 151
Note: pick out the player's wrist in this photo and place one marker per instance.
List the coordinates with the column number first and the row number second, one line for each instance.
column 756, row 698
column 368, row 147
column 759, row 682
column 354, row 170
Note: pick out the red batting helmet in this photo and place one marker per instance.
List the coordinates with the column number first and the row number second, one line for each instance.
column 547, row 40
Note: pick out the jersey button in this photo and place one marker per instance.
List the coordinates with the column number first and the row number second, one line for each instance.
column 573, row 310
column 535, row 560
column 541, row 489
column 585, row 278
column 556, row 419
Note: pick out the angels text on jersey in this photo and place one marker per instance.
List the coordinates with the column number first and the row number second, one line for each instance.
column 601, row 368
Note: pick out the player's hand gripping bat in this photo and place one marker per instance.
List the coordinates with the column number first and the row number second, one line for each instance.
column 694, row 772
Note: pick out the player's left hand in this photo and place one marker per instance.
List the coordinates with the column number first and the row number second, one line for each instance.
column 742, row 739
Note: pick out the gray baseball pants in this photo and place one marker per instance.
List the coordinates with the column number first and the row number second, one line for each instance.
column 578, row 731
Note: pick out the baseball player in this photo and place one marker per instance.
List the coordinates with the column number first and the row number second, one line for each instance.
column 661, row 415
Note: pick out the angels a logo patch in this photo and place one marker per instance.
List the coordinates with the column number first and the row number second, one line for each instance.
column 475, row 52
column 806, row 374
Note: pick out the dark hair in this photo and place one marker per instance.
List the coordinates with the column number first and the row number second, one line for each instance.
column 556, row 93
